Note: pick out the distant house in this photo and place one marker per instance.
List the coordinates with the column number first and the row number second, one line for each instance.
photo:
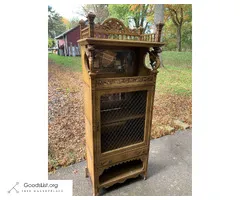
column 67, row 42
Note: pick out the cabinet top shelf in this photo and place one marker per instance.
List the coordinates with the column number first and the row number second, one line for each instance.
column 112, row 31
column 120, row 43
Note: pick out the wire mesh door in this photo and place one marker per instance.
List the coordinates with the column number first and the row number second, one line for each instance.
column 122, row 119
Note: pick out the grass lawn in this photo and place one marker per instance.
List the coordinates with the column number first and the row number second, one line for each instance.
column 73, row 63
column 174, row 80
column 177, row 59
column 176, row 76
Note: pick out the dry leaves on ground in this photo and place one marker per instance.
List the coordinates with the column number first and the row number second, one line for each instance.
column 168, row 108
column 66, row 140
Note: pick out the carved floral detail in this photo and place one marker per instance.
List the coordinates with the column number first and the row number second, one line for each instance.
column 139, row 79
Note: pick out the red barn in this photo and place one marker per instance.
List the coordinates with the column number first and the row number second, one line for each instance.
column 67, row 42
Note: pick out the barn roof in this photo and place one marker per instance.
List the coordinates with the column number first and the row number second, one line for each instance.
column 66, row 32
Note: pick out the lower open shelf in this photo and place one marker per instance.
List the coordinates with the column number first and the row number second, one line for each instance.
column 121, row 171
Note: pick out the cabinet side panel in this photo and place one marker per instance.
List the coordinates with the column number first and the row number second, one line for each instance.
column 90, row 163
column 87, row 103
column 89, row 138
column 88, row 129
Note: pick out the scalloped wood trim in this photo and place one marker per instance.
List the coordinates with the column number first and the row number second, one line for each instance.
column 142, row 158
column 122, row 180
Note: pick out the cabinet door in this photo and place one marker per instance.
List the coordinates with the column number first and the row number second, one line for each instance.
column 123, row 118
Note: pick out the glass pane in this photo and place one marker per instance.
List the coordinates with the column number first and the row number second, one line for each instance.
column 115, row 61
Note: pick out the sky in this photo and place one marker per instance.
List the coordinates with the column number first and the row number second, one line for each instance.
column 66, row 9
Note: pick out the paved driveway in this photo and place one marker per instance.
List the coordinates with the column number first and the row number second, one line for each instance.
column 169, row 171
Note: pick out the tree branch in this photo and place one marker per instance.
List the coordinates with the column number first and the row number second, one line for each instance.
column 173, row 19
column 175, row 12
column 181, row 19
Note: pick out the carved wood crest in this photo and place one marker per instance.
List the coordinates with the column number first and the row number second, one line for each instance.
column 113, row 25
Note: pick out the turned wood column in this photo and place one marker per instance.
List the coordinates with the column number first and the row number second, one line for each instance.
column 91, row 16
column 82, row 26
column 159, row 31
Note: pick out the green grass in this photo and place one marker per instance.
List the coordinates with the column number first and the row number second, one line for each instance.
column 73, row 63
column 174, row 80
column 177, row 59
column 176, row 76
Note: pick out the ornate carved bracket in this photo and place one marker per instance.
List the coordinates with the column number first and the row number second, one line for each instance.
column 90, row 54
column 154, row 58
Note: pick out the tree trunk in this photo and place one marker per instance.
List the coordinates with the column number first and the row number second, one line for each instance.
column 179, row 38
column 159, row 17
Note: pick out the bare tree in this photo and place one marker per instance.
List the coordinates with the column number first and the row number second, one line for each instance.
column 100, row 10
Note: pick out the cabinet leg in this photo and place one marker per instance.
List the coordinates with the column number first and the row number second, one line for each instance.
column 95, row 191
column 86, row 172
column 144, row 175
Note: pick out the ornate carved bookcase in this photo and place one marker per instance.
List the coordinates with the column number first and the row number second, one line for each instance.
column 118, row 99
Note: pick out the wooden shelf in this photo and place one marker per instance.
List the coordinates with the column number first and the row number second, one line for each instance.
column 121, row 172
column 112, row 117
column 122, row 43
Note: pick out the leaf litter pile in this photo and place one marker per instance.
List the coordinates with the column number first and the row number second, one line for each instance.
column 66, row 140
column 170, row 113
column 66, row 132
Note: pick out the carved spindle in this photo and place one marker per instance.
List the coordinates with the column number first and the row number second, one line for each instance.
column 140, row 31
column 91, row 16
column 159, row 31
column 82, row 24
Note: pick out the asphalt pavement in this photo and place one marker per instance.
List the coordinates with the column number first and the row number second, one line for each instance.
column 169, row 171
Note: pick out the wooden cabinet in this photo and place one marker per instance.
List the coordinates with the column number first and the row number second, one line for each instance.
column 119, row 72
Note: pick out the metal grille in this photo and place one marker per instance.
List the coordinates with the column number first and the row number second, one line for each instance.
column 122, row 119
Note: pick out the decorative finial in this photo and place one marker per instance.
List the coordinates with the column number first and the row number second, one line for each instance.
column 91, row 16
column 81, row 22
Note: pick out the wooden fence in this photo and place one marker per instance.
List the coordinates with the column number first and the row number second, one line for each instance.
column 70, row 51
